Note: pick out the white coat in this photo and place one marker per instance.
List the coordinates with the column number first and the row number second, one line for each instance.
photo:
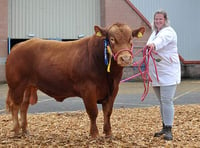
column 167, row 60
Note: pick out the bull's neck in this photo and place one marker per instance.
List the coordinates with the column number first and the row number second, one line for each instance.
column 96, row 47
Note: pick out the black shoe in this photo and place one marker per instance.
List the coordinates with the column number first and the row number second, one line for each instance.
column 168, row 133
column 158, row 134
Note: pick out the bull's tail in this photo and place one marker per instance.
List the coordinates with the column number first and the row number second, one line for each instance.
column 13, row 106
column 9, row 100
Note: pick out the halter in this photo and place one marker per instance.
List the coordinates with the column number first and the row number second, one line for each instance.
column 118, row 52
column 108, row 50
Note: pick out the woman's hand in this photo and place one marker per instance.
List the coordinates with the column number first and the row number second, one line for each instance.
column 151, row 46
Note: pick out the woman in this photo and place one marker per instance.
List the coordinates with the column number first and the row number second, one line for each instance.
column 164, row 41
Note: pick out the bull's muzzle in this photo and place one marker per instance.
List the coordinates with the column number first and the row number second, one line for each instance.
column 124, row 57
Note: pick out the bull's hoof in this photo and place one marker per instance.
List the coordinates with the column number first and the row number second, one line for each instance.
column 15, row 131
column 15, row 135
column 108, row 136
column 94, row 136
column 25, row 133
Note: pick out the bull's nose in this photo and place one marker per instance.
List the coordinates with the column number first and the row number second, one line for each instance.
column 126, row 58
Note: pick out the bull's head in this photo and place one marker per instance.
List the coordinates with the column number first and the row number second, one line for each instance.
column 120, row 38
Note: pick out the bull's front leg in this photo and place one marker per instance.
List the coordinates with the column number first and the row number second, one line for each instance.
column 107, row 111
column 92, row 111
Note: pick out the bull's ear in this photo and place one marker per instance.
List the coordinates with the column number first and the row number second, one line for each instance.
column 138, row 32
column 99, row 31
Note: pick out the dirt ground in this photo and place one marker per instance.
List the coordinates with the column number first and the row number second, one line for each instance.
column 130, row 127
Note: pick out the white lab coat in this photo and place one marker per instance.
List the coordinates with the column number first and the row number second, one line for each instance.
column 168, row 63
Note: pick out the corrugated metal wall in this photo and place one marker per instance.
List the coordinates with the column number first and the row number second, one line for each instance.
column 184, row 18
column 64, row 19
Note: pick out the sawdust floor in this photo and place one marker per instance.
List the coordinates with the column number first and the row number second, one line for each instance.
column 131, row 128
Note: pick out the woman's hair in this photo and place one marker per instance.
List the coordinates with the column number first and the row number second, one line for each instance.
column 165, row 16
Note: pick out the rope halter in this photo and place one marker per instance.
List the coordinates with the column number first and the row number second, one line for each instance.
column 108, row 50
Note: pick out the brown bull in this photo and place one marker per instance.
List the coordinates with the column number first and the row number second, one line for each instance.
column 69, row 69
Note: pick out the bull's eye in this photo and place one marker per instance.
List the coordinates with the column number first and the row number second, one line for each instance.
column 112, row 40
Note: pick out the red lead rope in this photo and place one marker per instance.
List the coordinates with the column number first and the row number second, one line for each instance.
column 147, row 54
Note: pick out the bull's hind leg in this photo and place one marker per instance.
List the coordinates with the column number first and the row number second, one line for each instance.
column 16, row 126
column 24, row 109
column 30, row 96
column 14, row 109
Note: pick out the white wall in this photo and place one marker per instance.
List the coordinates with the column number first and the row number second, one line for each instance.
column 53, row 18
column 184, row 16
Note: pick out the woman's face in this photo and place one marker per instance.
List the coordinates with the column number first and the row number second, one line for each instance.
column 159, row 21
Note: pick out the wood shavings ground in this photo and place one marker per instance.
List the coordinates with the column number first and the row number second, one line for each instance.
column 130, row 127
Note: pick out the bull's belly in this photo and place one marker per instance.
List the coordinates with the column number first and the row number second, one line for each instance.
column 59, row 94
column 75, row 90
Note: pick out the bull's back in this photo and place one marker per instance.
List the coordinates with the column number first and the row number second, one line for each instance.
column 21, row 62
column 44, row 64
column 59, row 69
